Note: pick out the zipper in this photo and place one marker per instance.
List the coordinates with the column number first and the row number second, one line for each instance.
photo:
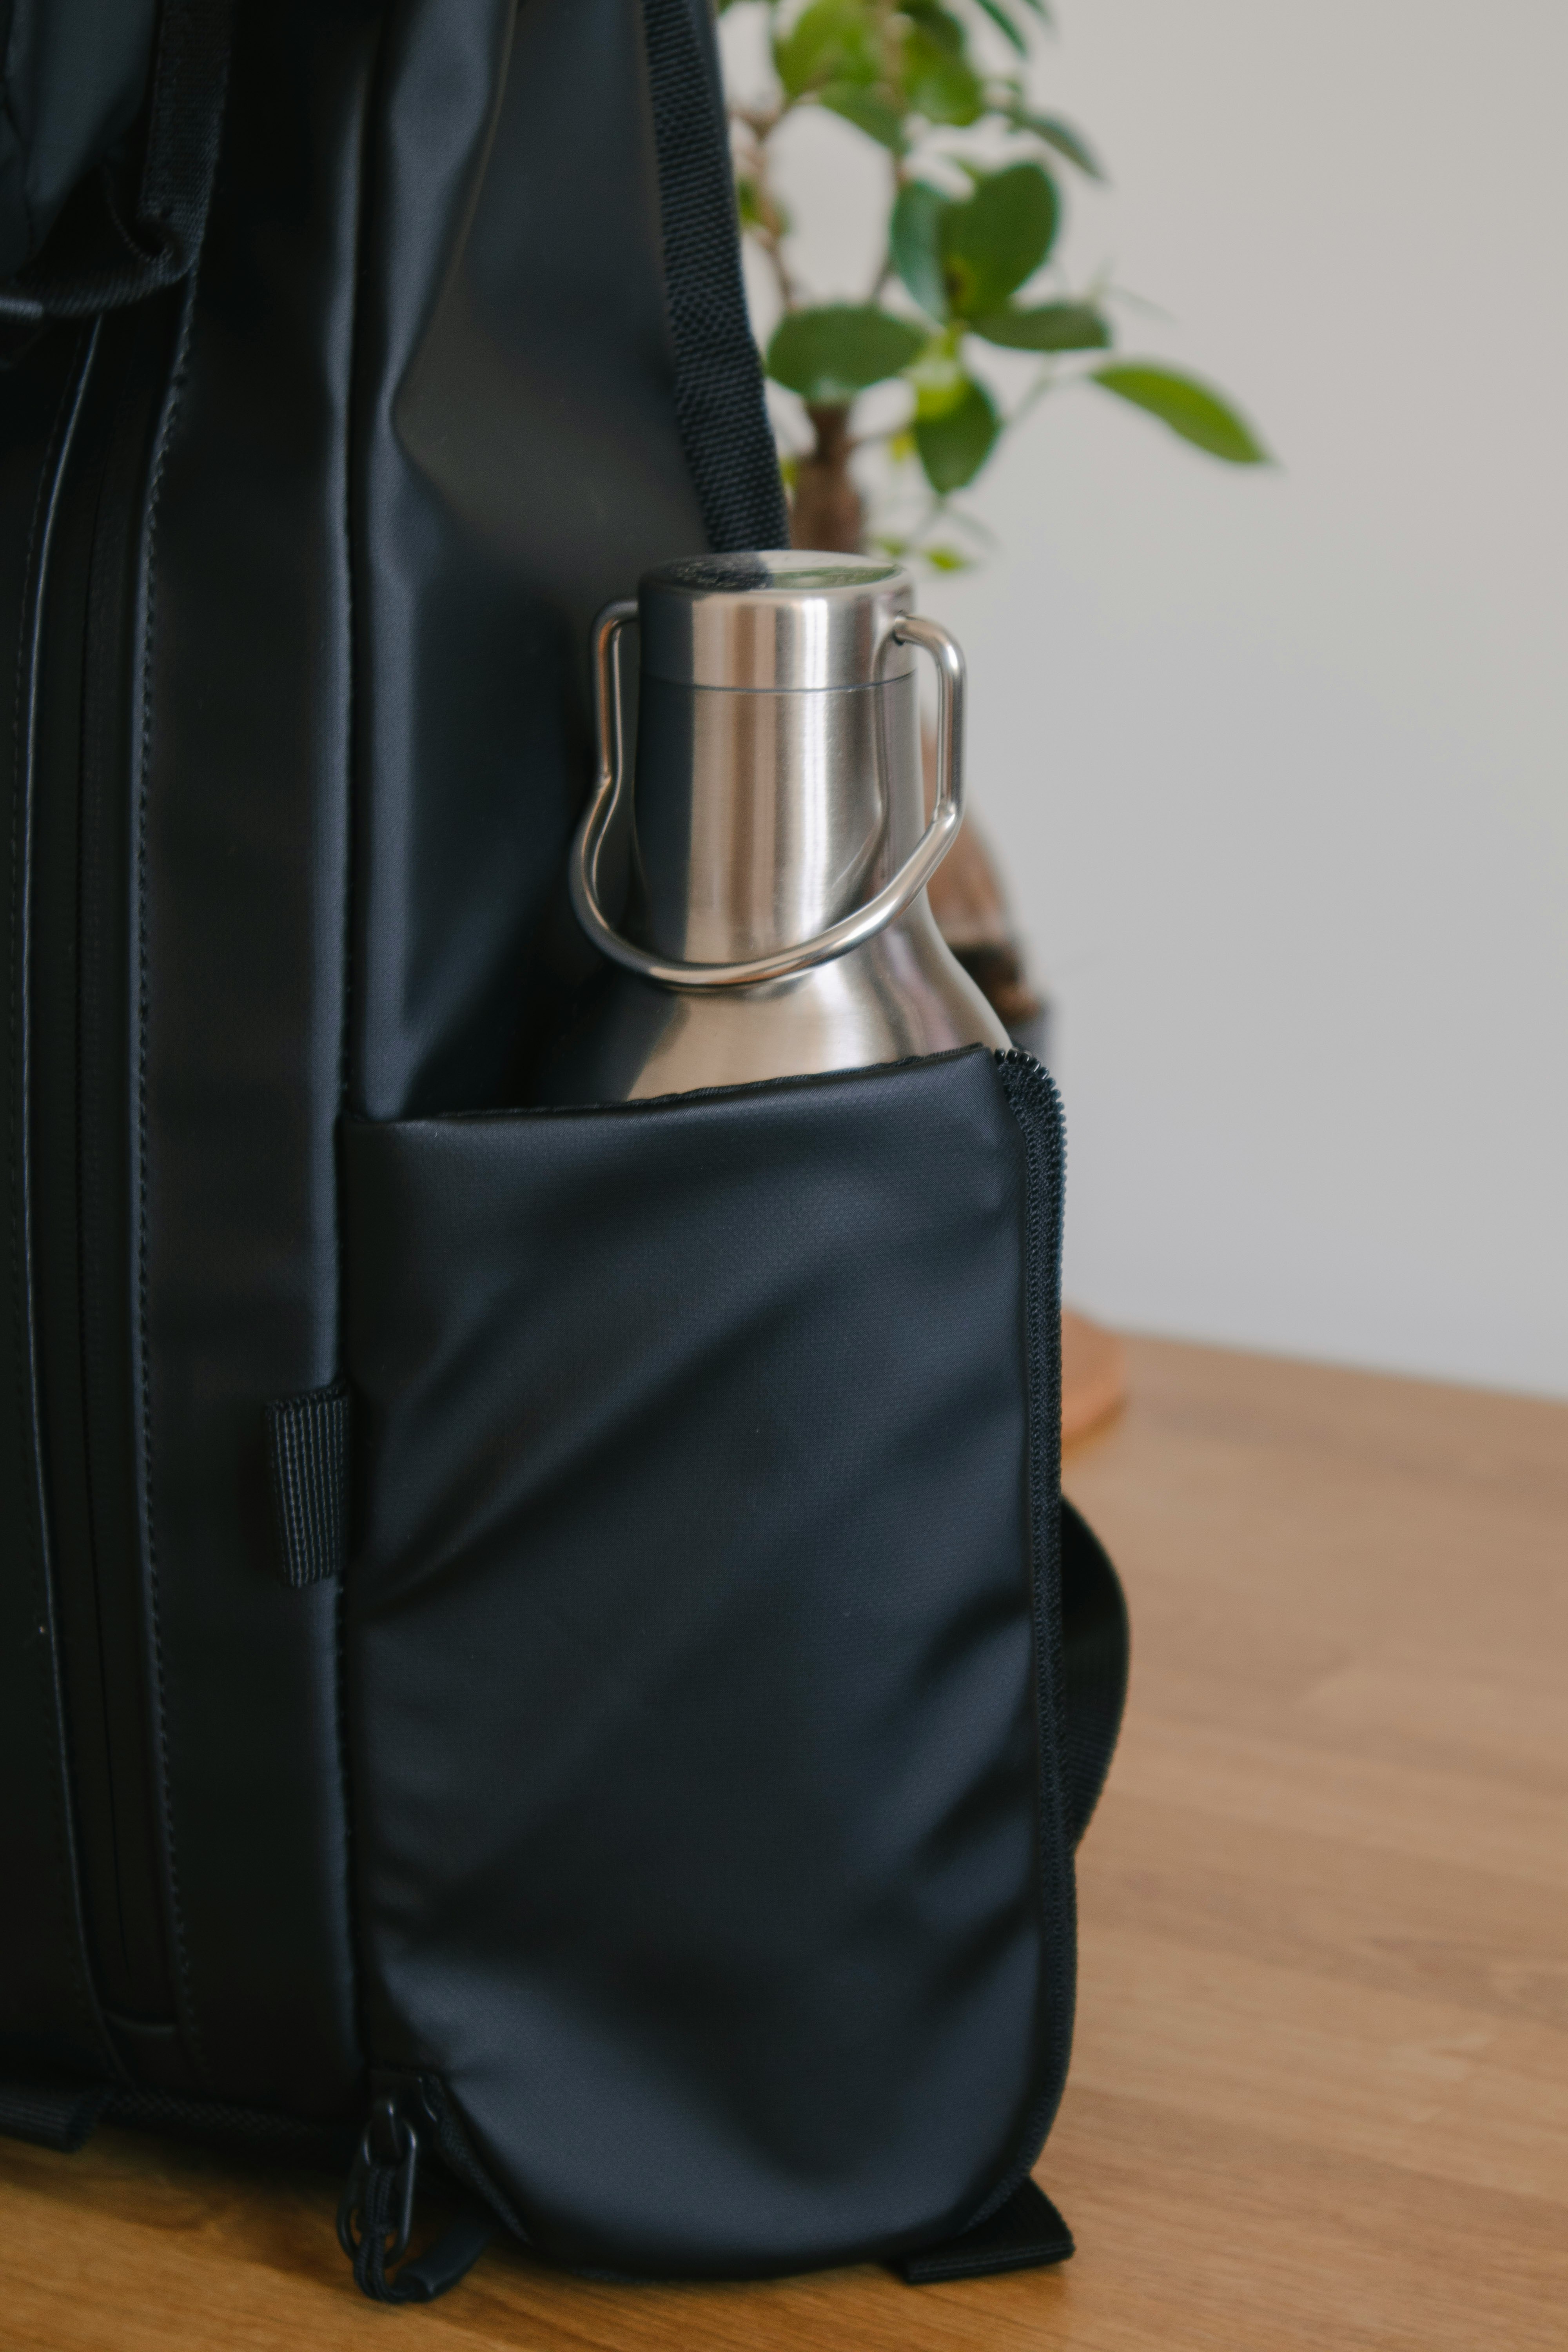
column 83, row 1144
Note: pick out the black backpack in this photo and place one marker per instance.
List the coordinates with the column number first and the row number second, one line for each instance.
column 543, row 1641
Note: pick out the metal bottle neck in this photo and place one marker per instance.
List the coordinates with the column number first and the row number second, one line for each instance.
column 761, row 818
column 777, row 772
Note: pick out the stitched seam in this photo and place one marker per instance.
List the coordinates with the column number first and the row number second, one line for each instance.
column 21, row 801
column 166, row 432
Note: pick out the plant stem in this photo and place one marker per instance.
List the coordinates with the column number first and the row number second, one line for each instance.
column 828, row 510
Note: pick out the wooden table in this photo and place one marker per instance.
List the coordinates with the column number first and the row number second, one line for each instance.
column 1320, row 2096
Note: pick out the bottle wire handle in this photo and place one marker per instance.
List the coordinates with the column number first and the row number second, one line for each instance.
column 854, row 929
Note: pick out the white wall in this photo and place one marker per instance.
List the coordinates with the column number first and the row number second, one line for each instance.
column 1277, row 764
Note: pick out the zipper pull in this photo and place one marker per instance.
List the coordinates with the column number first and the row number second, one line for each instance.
column 376, row 2213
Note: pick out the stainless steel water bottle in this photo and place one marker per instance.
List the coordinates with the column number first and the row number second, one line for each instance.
column 779, row 847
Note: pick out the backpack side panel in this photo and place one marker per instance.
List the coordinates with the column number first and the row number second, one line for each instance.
column 519, row 463
column 238, row 879
column 414, row 421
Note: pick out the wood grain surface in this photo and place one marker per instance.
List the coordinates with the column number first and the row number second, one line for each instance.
column 1094, row 1376
column 1319, row 2096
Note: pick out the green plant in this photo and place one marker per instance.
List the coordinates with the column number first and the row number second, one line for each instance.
column 973, row 212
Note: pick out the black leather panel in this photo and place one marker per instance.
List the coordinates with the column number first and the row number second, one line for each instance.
column 520, row 465
column 241, row 861
column 47, row 2006
column 690, row 1638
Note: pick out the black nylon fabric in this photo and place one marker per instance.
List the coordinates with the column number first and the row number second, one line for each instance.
column 1023, row 2233
column 234, row 776
column 518, row 461
column 89, row 93
column 695, row 1709
column 72, row 75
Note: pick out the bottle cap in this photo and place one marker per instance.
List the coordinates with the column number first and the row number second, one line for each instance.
column 781, row 621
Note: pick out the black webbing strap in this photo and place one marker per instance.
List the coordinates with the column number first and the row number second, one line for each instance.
column 452, row 2256
column 51, row 2114
column 158, row 244
column 719, row 407
column 308, row 1460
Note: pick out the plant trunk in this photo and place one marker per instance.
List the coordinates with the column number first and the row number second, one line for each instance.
column 826, row 511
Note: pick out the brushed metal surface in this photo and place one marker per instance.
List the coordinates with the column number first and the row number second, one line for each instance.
column 784, row 619
column 769, row 822
column 902, row 993
column 758, row 814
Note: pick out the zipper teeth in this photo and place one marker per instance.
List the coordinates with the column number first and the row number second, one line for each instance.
column 182, row 1986
column 97, row 874
column 1036, row 1104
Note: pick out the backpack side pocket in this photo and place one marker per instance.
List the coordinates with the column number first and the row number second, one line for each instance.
column 703, row 1650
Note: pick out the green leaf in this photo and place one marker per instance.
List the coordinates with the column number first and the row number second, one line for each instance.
column 1063, row 138
column 831, row 41
column 939, row 25
column 829, row 355
column 1050, row 327
column 997, row 238
column 869, row 110
column 948, row 559
column 939, row 84
column 1004, row 25
column 914, row 241
column 955, row 446
column 1191, row 409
